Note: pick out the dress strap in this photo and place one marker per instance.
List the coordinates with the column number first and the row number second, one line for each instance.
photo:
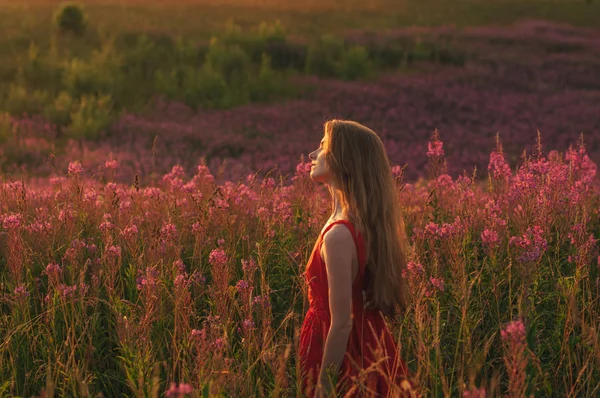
column 346, row 223
column 358, row 248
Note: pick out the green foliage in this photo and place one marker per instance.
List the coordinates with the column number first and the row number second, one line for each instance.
column 390, row 54
column 420, row 51
column 324, row 56
column 355, row 64
column 59, row 111
column 99, row 75
column 203, row 86
column 266, row 84
column 230, row 61
column 144, row 56
column 272, row 32
column 5, row 127
column 21, row 100
column 92, row 116
column 42, row 71
column 70, row 18
column 449, row 55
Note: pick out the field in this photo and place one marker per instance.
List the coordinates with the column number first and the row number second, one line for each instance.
column 156, row 212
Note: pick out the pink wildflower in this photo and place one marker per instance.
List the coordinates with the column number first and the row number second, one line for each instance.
column 249, row 324
column 111, row 164
column 513, row 339
column 437, row 283
column 53, row 271
column 12, row 221
column 397, row 171
column 435, row 149
column 490, row 238
column 217, row 257
column 90, row 195
column 249, row 266
column 75, row 168
column 242, row 286
column 475, row 393
column 21, row 292
column 169, row 231
column 498, row 167
column 113, row 251
column 179, row 390
column 413, row 269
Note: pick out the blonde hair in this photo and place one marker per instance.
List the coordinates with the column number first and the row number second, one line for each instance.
column 361, row 169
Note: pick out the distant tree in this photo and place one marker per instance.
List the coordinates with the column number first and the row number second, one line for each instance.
column 70, row 17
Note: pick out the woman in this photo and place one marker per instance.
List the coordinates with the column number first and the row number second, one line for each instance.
column 354, row 274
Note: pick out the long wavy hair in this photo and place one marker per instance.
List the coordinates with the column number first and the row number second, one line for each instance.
column 360, row 167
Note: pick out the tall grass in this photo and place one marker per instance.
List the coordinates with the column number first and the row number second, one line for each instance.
column 192, row 286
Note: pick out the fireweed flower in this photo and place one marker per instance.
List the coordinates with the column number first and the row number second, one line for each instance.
column 498, row 167
column 65, row 215
column 513, row 339
column 197, row 228
column 579, row 162
column 218, row 343
column 413, row 269
column 475, row 393
column 397, row 171
column 21, row 292
column 435, row 284
column 198, row 334
column 130, row 233
column 113, row 251
column 111, row 164
column 268, row 183
column 12, row 221
column 262, row 301
column 106, row 226
column 179, row 390
column 302, row 170
column 532, row 244
column 263, row 213
column 490, row 238
column 66, row 291
column 152, row 193
column 218, row 258
column 283, row 210
column 124, row 205
column 249, row 266
column 169, row 232
column 435, row 149
column 248, row 324
column 242, row 286
column 90, row 195
column 179, row 266
column 204, row 174
column 147, row 279
column 75, row 168
column 40, row 226
column 53, row 271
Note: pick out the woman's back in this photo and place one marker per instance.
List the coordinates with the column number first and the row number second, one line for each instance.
column 370, row 340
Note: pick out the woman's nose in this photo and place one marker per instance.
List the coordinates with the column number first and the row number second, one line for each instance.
column 311, row 156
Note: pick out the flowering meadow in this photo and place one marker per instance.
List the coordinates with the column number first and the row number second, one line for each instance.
column 189, row 287
column 157, row 214
column 533, row 76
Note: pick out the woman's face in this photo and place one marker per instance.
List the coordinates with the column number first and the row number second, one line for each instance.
column 319, row 171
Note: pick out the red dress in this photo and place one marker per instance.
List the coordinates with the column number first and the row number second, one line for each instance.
column 368, row 329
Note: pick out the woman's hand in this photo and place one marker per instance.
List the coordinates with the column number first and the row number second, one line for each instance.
column 324, row 388
column 327, row 382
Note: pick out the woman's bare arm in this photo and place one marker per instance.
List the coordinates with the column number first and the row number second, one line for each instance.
column 338, row 250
